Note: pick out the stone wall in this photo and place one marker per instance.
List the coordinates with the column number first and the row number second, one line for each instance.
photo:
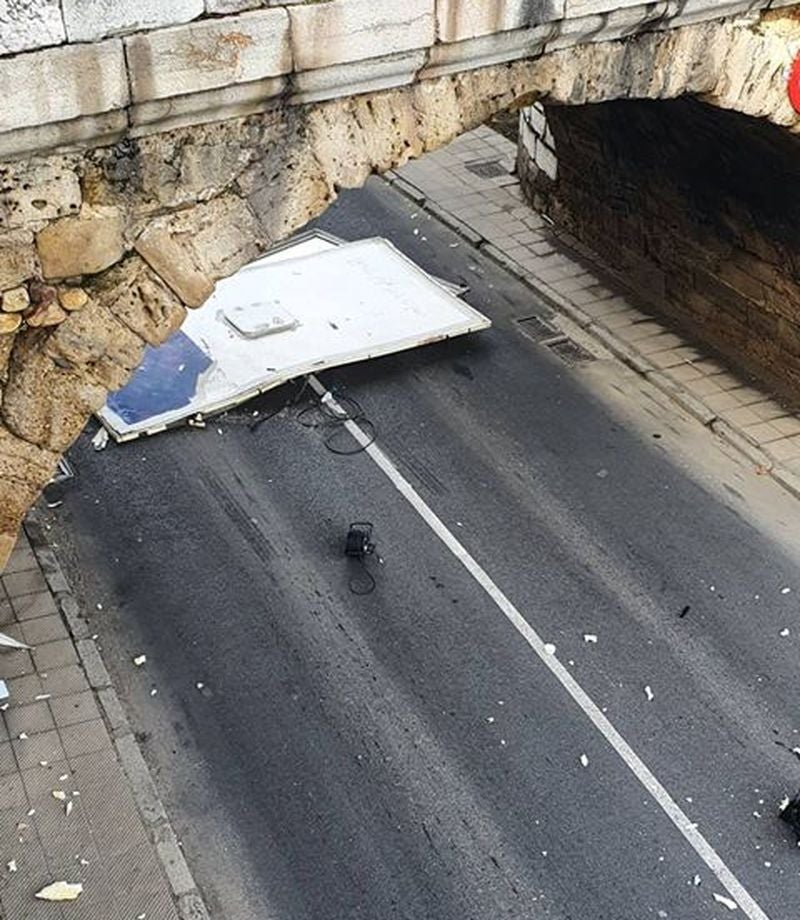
column 695, row 208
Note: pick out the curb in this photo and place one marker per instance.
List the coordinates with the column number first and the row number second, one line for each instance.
column 621, row 350
column 186, row 894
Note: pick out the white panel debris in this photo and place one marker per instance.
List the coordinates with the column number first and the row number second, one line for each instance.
column 314, row 305
column 60, row 891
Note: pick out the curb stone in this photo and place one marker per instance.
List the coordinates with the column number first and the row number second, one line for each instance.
column 151, row 809
column 690, row 403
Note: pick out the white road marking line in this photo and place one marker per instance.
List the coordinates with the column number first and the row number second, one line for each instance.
column 631, row 759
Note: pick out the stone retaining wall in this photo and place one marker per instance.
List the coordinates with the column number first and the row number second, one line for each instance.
column 695, row 208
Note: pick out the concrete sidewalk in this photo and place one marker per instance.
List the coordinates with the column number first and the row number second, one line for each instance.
column 470, row 185
column 63, row 731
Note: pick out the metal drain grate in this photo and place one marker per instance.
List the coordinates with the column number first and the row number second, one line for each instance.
column 538, row 329
column 572, row 353
column 487, row 169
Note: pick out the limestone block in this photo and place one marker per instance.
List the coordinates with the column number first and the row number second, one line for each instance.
column 32, row 24
column 47, row 403
column 458, row 20
column 72, row 299
column 17, row 258
column 140, row 300
column 65, row 82
column 97, row 344
column 344, row 80
column 173, row 259
column 91, row 20
column 16, row 300
column 24, row 468
column 9, row 322
column 46, row 314
column 209, row 54
column 33, row 193
column 81, row 245
column 487, row 51
column 341, row 31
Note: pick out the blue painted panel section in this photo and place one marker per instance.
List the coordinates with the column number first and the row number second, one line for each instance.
column 159, row 385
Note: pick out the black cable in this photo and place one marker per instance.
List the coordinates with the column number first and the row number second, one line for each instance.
column 291, row 401
column 346, row 409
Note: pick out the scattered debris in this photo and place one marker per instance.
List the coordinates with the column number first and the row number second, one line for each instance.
column 100, row 440
column 784, row 633
column 153, row 692
column 199, row 685
column 590, row 638
column 726, row 902
column 584, row 760
column 697, row 881
column 60, row 795
column 8, row 642
column 139, row 660
column 60, row 891
column 42, row 696
column 549, row 648
column 11, row 865
column 785, row 590
column 648, row 693
column 685, row 610
column 23, row 736
column 68, row 808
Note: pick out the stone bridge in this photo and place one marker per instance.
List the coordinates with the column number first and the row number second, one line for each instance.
column 149, row 148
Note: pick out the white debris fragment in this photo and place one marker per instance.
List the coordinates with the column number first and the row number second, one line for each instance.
column 726, row 902
column 784, row 632
column 549, row 648
column 153, row 692
column 490, row 719
column 785, row 590
column 68, row 808
column 584, row 760
column 100, row 440
column 783, row 805
column 590, row 638
column 84, row 862
column 139, row 660
column 60, row 891
column 11, row 865
column 42, row 696
column 649, row 694
column 60, row 795
column 44, row 763
column 23, row 736
column 199, row 685
column 8, row 642
column 696, row 881
column 63, row 777
column 30, row 812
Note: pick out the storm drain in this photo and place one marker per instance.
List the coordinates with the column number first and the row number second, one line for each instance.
column 549, row 336
column 487, row 169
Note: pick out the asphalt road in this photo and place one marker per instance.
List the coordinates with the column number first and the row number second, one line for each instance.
column 327, row 756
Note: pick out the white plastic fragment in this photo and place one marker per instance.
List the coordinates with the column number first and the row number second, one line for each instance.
column 8, row 642
column 23, row 736
column 139, row 660
column 42, row 696
column 199, row 685
column 11, row 865
column 783, row 805
column 549, row 648
column 590, row 638
column 784, row 632
column 60, row 795
column 100, row 440
column 60, row 891
column 649, row 694
column 68, row 808
column 584, row 760
column 697, row 880
column 726, row 902
column 153, row 692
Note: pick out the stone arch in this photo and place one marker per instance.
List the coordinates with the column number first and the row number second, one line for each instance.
column 102, row 251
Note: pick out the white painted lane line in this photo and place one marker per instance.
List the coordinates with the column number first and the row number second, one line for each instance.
column 635, row 764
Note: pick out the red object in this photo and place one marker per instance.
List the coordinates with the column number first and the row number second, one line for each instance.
column 794, row 85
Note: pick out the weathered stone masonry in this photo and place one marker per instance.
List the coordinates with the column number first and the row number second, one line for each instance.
column 142, row 166
column 695, row 208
